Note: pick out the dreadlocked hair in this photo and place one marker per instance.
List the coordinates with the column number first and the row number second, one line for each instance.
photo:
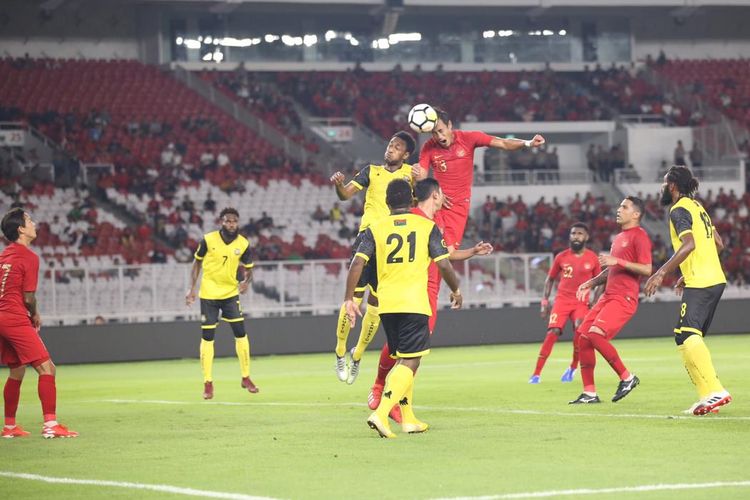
column 682, row 177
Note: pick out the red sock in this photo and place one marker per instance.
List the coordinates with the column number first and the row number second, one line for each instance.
column 11, row 394
column 384, row 366
column 588, row 363
column 576, row 340
column 608, row 352
column 48, row 396
column 545, row 351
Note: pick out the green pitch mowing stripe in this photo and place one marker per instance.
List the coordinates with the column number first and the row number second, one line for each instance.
column 304, row 435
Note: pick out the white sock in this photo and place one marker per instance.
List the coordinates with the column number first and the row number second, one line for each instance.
column 50, row 423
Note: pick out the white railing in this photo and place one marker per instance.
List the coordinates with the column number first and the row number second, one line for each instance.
column 156, row 292
column 537, row 177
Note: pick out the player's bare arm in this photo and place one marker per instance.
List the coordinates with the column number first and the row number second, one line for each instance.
column 245, row 283
column 343, row 191
column 480, row 248
column 514, row 144
column 355, row 271
column 544, row 309
column 195, row 273
column 450, row 278
column 670, row 266
column 608, row 260
column 719, row 242
column 583, row 289
column 29, row 300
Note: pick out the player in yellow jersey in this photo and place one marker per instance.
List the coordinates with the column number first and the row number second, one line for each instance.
column 404, row 245
column 696, row 245
column 223, row 255
column 374, row 178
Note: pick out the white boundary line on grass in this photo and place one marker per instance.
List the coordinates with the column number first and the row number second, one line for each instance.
column 601, row 491
column 162, row 488
column 506, row 411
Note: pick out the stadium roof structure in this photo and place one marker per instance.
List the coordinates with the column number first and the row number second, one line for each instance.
column 539, row 4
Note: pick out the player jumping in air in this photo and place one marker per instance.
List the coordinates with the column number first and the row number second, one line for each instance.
column 20, row 344
column 696, row 245
column 629, row 259
column 404, row 244
column 570, row 268
column 375, row 178
column 222, row 255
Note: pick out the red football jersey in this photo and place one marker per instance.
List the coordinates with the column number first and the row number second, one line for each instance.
column 632, row 245
column 573, row 271
column 454, row 167
column 433, row 275
column 19, row 272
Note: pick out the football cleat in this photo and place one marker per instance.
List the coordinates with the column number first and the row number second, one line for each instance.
column 414, row 427
column 16, row 432
column 341, row 372
column 353, row 368
column 691, row 410
column 585, row 399
column 568, row 375
column 382, row 428
column 208, row 390
column 395, row 414
column 713, row 402
column 248, row 384
column 373, row 399
column 624, row 388
column 57, row 431
column 535, row 379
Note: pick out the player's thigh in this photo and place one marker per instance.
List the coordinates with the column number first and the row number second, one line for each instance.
column 414, row 335
column 697, row 309
column 590, row 317
column 454, row 224
column 22, row 345
column 210, row 310
column 231, row 309
column 8, row 355
column 614, row 314
column 390, row 322
column 561, row 312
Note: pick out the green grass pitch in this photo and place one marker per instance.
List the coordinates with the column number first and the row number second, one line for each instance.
column 304, row 435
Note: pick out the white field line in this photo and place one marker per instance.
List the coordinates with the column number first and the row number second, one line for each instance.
column 500, row 411
column 162, row 488
column 602, row 491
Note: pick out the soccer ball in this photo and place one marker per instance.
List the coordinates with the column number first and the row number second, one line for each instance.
column 422, row 118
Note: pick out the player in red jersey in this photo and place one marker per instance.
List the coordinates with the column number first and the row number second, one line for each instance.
column 629, row 260
column 430, row 199
column 572, row 266
column 450, row 154
column 20, row 344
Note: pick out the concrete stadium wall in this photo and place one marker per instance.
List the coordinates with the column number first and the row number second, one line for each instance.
column 153, row 341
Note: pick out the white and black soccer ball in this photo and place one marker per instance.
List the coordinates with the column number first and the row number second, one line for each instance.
column 422, row 118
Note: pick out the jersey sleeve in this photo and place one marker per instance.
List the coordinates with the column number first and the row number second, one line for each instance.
column 202, row 249
column 247, row 258
column 31, row 273
column 554, row 270
column 643, row 248
column 366, row 248
column 681, row 220
column 362, row 178
column 425, row 156
column 438, row 249
column 479, row 139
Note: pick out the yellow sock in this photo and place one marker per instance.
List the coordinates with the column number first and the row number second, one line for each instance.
column 698, row 353
column 242, row 348
column 407, row 405
column 398, row 383
column 700, row 384
column 342, row 329
column 207, row 359
column 370, row 325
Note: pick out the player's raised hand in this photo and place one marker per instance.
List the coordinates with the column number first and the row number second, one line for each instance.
column 244, row 286
column 338, row 179
column 483, row 248
column 36, row 320
column 679, row 287
column 457, row 300
column 190, row 298
column 582, row 293
column 653, row 283
column 606, row 260
column 447, row 202
column 352, row 311
column 417, row 172
column 537, row 141
column 544, row 309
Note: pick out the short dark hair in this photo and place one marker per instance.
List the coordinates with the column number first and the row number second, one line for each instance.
column 398, row 194
column 411, row 144
column 11, row 222
column 423, row 189
column 228, row 211
column 639, row 205
column 442, row 114
column 682, row 177
column 580, row 225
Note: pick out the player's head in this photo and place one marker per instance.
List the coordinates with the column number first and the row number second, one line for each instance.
column 678, row 181
column 17, row 225
column 230, row 220
column 579, row 235
column 630, row 211
column 443, row 131
column 400, row 147
column 398, row 195
column 429, row 190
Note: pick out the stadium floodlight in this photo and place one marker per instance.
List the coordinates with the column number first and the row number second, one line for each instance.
column 208, row 40
column 310, row 40
column 208, row 57
column 354, row 41
column 330, row 35
column 505, row 33
column 562, row 32
column 548, row 32
column 404, row 37
column 270, row 38
column 192, row 44
column 218, row 56
column 179, row 40
column 488, row 34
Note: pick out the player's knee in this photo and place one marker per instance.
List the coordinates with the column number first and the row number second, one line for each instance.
column 597, row 331
column 681, row 337
column 372, row 301
column 556, row 331
column 208, row 335
column 17, row 372
column 411, row 363
column 238, row 329
column 44, row 367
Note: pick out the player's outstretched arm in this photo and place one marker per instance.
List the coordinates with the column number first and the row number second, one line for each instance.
column 355, row 272
column 195, row 272
column 514, row 144
column 450, row 278
column 583, row 290
column 245, row 283
column 343, row 191
column 670, row 266
column 29, row 300
column 719, row 242
column 480, row 248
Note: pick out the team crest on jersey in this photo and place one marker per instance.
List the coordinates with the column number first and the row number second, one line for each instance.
column 399, row 222
column 461, row 152
column 236, row 251
column 624, row 244
column 587, row 266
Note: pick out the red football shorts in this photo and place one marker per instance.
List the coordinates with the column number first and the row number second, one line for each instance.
column 20, row 344
column 566, row 309
column 610, row 314
column 452, row 224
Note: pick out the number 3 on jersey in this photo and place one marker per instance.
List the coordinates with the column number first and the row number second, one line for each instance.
column 395, row 238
